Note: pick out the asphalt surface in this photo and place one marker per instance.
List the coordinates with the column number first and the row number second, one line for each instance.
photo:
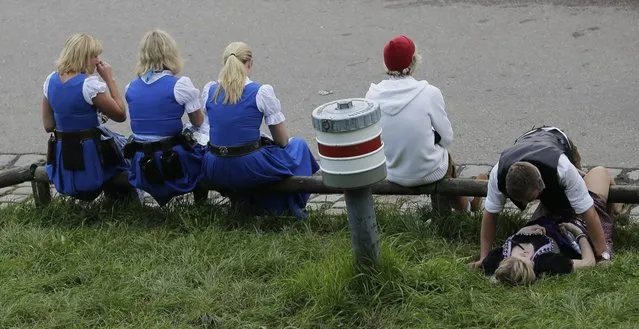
column 503, row 66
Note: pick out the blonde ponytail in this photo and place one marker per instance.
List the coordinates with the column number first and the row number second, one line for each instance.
column 233, row 73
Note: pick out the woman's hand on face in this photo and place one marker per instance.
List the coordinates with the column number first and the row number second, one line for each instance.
column 572, row 228
column 104, row 70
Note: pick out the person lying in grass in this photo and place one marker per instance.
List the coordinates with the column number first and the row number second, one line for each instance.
column 551, row 244
column 545, row 246
column 543, row 164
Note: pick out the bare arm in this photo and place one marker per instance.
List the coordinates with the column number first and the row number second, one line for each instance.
column 488, row 223
column 279, row 133
column 494, row 204
column 109, row 107
column 47, row 116
column 196, row 118
column 112, row 105
column 580, row 200
column 595, row 231
column 587, row 255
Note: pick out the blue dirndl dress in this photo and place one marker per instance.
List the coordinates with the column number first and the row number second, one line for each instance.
column 238, row 124
column 156, row 116
column 73, row 114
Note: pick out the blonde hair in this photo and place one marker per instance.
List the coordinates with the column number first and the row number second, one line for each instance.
column 513, row 271
column 521, row 179
column 77, row 52
column 417, row 58
column 233, row 73
column 158, row 51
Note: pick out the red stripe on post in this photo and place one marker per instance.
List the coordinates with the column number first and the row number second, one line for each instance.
column 350, row 150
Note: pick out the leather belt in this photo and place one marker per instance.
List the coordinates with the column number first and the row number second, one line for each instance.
column 77, row 135
column 152, row 147
column 230, row 151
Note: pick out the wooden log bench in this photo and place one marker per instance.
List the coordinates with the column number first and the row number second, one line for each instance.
column 314, row 184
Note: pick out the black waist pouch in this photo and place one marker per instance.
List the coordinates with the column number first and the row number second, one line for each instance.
column 187, row 140
column 109, row 153
column 129, row 149
column 265, row 141
column 171, row 166
column 51, row 149
column 72, row 155
column 150, row 170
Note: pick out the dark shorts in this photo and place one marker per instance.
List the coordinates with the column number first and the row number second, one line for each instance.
column 452, row 168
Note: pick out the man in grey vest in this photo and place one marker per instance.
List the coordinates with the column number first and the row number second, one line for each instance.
column 544, row 164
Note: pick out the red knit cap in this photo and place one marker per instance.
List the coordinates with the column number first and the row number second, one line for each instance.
column 398, row 53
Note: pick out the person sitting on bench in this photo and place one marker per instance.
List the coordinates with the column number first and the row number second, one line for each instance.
column 83, row 155
column 416, row 130
column 166, row 161
column 239, row 156
column 541, row 165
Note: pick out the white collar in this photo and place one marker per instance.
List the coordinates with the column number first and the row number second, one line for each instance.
column 153, row 76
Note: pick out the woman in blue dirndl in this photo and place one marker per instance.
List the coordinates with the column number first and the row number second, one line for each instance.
column 166, row 161
column 239, row 156
column 83, row 155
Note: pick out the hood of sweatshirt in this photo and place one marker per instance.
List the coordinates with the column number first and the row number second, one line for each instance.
column 394, row 94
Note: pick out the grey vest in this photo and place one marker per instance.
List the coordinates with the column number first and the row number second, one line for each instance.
column 542, row 149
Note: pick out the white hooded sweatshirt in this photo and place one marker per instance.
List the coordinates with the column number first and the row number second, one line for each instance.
column 411, row 109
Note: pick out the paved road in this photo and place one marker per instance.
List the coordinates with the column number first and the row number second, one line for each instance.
column 503, row 66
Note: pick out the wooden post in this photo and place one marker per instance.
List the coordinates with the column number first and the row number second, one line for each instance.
column 41, row 193
column 41, row 188
column 200, row 194
column 442, row 204
column 363, row 226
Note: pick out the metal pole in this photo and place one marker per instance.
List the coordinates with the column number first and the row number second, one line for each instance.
column 363, row 226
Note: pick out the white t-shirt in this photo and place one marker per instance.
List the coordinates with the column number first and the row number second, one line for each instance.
column 569, row 178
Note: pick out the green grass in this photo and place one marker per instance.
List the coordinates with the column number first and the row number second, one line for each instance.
column 114, row 266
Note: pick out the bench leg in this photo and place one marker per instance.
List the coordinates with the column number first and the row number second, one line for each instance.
column 442, row 204
column 200, row 194
column 41, row 193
